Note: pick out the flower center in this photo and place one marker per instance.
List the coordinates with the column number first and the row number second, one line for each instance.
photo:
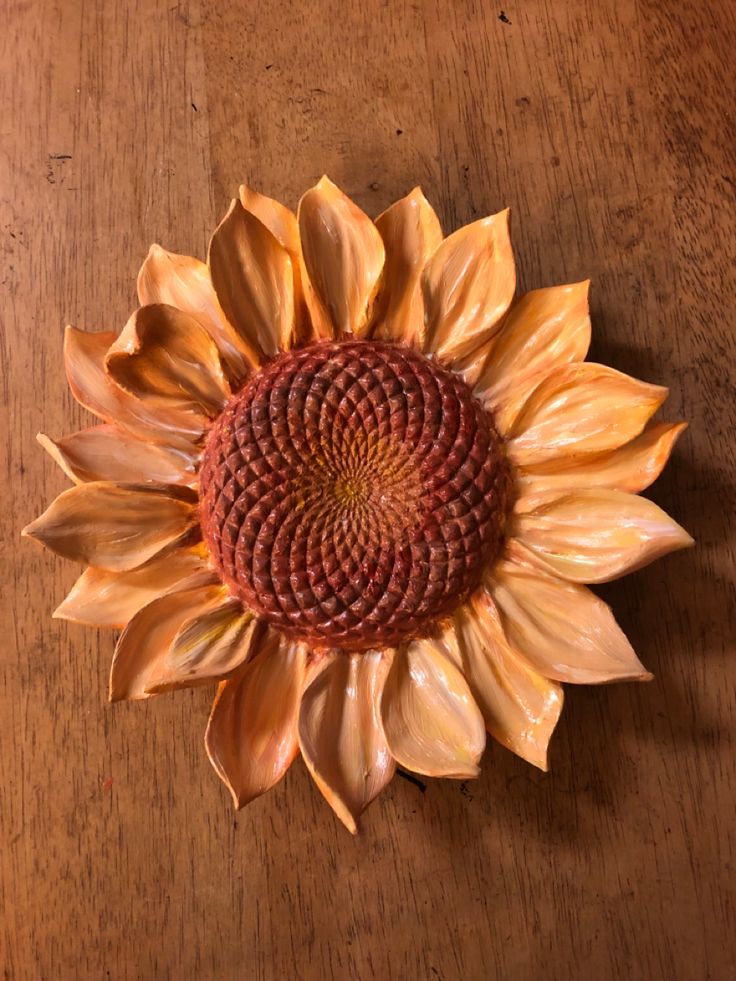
column 352, row 493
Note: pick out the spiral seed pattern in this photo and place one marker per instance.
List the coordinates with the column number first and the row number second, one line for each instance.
column 351, row 493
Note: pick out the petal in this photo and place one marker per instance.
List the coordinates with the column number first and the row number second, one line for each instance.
column 183, row 282
column 411, row 232
column 111, row 599
column 252, row 275
column 630, row 468
column 340, row 732
column 252, row 733
column 520, row 706
column 430, row 719
column 166, row 357
column 562, row 630
column 141, row 650
column 107, row 453
column 112, row 526
column 468, row 285
column 598, row 535
column 92, row 387
column 579, row 409
column 343, row 256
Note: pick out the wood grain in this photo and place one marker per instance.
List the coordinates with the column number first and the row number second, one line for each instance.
column 609, row 127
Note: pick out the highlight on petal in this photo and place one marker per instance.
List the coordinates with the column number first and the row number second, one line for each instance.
column 430, row 719
column 252, row 732
column 113, row 526
column 254, row 281
column 468, row 285
column 562, row 630
column 183, row 282
column 520, row 706
column 411, row 232
column 110, row 599
column 597, row 535
column 341, row 735
column 165, row 356
column 631, row 468
column 108, row 453
column 343, row 256
column 580, row 409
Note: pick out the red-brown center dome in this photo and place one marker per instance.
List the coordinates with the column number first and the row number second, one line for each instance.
column 352, row 493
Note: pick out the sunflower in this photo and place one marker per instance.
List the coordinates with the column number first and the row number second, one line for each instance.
column 343, row 474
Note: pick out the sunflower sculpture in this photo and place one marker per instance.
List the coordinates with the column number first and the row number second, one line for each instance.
column 343, row 474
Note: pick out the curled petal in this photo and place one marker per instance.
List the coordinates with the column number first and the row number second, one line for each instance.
column 630, row 468
column 113, row 526
column 343, row 256
column 430, row 719
column 579, row 409
column 468, row 285
column 411, row 232
column 252, row 275
column 278, row 219
column 520, row 706
column 111, row 599
column 107, row 453
column 598, row 535
column 562, row 630
column 166, row 357
column 340, row 732
column 183, row 282
column 252, row 733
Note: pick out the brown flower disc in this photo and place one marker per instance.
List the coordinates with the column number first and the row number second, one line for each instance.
column 352, row 493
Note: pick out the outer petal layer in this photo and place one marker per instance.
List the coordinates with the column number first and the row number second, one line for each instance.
column 340, row 732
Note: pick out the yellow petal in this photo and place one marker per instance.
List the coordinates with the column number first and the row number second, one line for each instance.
column 343, row 256
column 252, row 275
column 580, row 409
column 520, row 706
column 468, row 285
column 142, row 648
column 113, row 526
column 111, row 599
column 562, row 630
column 107, row 453
column 183, row 282
column 430, row 719
column 166, row 357
column 598, row 535
column 411, row 232
column 252, row 733
column 340, row 732
column 630, row 468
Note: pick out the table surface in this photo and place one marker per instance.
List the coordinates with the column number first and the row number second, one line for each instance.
column 608, row 127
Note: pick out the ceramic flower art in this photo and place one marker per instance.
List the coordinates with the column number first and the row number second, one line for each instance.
column 343, row 474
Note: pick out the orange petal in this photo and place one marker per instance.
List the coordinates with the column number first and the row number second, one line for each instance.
column 140, row 653
column 468, row 285
column 252, row 275
column 183, row 282
column 630, row 468
column 411, row 232
column 580, row 409
column 340, row 732
column 430, row 719
column 520, row 706
column 112, row 526
column 166, row 357
column 598, row 535
column 111, row 599
column 343, row 256
column 252, row 733
column 107, row 453
column 562, row 630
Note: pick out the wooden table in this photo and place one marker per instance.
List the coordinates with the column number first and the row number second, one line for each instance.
column 608, row 127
